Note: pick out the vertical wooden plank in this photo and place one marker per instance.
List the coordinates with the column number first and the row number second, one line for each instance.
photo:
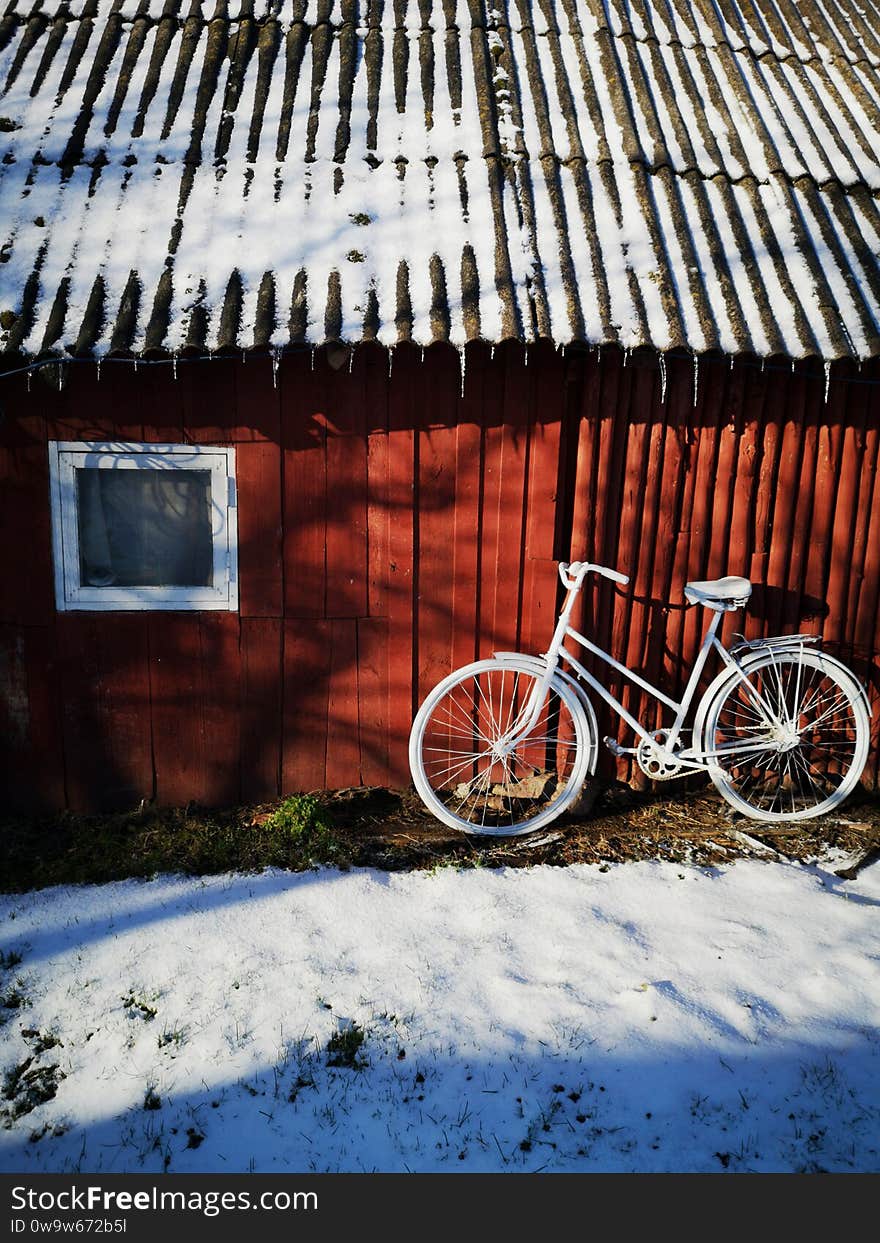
column 118, row 385
column 306, row 660
column 638, row 526
column 175, row 693
column 466, row 509
column 504, row 467
column 831, row 437
column 31, row 745
column 159, row 394
column 343, row 740
column 665, row 592
column 379, row 514
column 208, row 399
column 105, row 698
column 27, row 588
column 402, row 501
column 809, row 391
column 746, row 484
column 775, row 379
column 685, row 420
column 784, row 502
column 260, row 530
column 437, row 456
column 255, row 429
column 261, row 719
column 219, row 689
column 304, row 484
column 540, row 580
column 866, row 638
column 372, row 687
column 346, row 465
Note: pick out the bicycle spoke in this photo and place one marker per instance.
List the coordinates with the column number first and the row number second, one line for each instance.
column 820, row 738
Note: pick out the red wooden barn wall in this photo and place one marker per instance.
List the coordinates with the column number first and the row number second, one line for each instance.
column 392, row 526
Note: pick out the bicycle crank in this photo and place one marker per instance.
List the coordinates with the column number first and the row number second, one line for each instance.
column 655, row 761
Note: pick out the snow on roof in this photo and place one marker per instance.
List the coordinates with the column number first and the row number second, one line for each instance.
column 675, row 173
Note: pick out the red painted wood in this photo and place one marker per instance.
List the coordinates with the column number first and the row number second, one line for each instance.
column 437, row 459
column 176, row 703
column 220, row 695
column 195, row 696
column 343, row 733
column 208, row 398
column 304, row 485
column 540, row 579
column 466, row 509
column 346, row 465
column 503, row 531
column 402, row 619
column 260, row 529
column 379, row 512
column 105, row 702
column 256, row 434
column 446, row 513
column 27, row 591
column 306, row 663
column 31, row 745
column 372, row 687
column 261, row 708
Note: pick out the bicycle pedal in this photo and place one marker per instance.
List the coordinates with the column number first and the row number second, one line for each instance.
column 614, row 746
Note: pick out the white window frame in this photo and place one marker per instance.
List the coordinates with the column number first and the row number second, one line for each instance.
column 66, row 456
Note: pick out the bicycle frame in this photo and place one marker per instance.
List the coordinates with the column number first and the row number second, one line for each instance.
column 692, row 757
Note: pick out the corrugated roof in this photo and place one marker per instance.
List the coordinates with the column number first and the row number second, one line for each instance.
column 676, row 173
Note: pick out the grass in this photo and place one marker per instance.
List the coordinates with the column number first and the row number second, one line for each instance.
column 376, row 827
column 344, row 1046
column 91, row 849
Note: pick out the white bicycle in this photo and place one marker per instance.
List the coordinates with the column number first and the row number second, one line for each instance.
column 503, row 746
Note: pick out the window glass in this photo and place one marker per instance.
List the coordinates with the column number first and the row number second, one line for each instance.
column 144, row 527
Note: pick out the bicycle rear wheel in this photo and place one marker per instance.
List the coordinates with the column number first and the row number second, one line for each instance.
column 466, row 772
column 792, row 742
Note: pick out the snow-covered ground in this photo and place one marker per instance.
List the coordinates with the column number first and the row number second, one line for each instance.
column 650, row 1017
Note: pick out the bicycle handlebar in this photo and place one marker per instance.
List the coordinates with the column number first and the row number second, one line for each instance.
column 571, row 573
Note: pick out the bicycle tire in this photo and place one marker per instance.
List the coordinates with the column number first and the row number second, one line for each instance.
column 813, row 752
column 469, row 788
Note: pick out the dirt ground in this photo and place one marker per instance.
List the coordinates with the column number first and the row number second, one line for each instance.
column 374, row 827
column 612, row 823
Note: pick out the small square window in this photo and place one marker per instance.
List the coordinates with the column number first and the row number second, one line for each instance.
column 138, row 526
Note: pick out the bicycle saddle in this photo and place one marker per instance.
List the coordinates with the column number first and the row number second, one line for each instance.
column 721, row 594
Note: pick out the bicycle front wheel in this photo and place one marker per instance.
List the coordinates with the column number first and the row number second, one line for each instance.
column 472, row 769
column 792, row 740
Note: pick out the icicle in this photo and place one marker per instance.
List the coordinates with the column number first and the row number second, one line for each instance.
column 827, row 379
column 135, row 365
column 626, row 354
column 730, row 368
column 423, row 354
column 763, row 363
column 696, row 377
column 28, row 381
column 662, row 379
column 313, row 358
column 174, row 366
column 390, row 360
column 525, row 355
column 563, row 352
column 60, row 376
column 350, row 358
column 276, row 362
column 491, row 353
